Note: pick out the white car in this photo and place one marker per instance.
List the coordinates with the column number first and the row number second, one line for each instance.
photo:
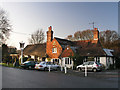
column 45, row 66
column 91, row 66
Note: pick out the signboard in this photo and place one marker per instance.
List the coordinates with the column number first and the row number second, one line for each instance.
column 48, row 59
column 90, row 58
column 22, row 45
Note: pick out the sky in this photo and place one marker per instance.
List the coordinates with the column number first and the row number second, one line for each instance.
column 65, row 18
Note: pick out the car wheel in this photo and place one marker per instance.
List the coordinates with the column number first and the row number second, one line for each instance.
column 79, row 69
column 58, row 68
column 94, row 70
column 45, row 69
column 29, row 67
column 23, row 67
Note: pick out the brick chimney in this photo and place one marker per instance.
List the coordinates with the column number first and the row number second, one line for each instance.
column 49, row 34
column 95, row 35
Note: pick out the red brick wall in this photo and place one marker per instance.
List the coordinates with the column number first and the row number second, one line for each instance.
column 49, row 36
column 53, row 44
column 95, row 35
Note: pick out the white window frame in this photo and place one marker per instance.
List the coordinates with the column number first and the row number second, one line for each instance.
column 68, row 60
column 54, row 50
column 53, row 61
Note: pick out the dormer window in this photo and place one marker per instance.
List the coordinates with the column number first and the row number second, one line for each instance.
column 54, row 50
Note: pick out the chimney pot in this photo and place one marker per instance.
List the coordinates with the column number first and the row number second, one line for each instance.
column 50, row 28
column 95, row 28
column 49, row 34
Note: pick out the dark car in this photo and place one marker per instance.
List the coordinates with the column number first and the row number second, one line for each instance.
column 28, row 64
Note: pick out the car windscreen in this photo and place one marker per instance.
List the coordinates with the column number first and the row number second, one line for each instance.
column 86, row 63
column 36, row 63
column 91, row 63
column 27, row 62
column 98, row 63
column 49, row 63
column 42, row 63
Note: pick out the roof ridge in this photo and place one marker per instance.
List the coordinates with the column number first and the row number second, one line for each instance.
column 35, row 44
column 62, row 39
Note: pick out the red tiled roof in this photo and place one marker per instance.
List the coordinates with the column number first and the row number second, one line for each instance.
column 83, row 47
column 64, row 41
column 92, row 49
column 67, row 52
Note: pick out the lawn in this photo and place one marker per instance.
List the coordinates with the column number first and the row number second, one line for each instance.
column 7, row 65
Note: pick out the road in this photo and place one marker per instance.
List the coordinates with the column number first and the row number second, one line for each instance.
column 20, row 78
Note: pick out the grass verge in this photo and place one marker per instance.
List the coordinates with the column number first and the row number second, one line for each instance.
column 9, row 65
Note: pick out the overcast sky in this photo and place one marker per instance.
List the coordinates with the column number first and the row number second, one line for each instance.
column 65, row 17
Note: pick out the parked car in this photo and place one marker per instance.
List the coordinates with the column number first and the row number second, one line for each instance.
column 45, row 66
column 28, row 64
column 91, row 66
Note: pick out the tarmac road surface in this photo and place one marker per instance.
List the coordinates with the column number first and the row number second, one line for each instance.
column 20, row 78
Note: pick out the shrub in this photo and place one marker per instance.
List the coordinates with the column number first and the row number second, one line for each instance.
column 117, row 62
column 6, row 59
column 77, row 60
column 111, row 67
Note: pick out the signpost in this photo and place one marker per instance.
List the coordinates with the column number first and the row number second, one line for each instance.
column 61, row 64
column 65, row 69
column 85, row 70
column 61, row 68
column 22, row 47
column 49, row 68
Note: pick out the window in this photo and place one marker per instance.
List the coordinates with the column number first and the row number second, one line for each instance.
column 68, row 61
column 97, row 59
column 90, row 59
column 54, row 50
column 55, row 61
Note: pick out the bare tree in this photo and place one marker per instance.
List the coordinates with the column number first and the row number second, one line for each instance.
column 5, row 26
column 87, row 34
column 37, row 37
column 83, row 35
column 77, row 35
column 69, row 37
column 105, row 36
column 108, row 36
